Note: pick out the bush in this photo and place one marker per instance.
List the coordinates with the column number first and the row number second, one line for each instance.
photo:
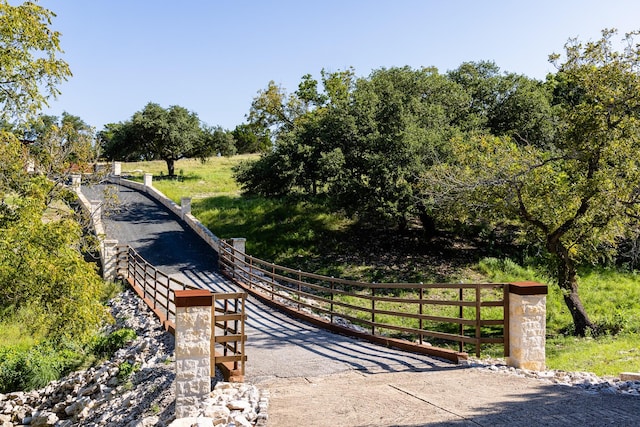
column 29, row 369
column 107, row 345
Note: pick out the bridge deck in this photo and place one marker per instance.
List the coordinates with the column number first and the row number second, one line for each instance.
column 277, row 345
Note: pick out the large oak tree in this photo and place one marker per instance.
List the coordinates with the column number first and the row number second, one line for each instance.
column 578, row 193
column 168, row 134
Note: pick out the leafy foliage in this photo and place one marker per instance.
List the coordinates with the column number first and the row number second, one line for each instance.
column 577, row 194
column 107, row 345
column 167, row 134
column 35, row 367
column 30, row 69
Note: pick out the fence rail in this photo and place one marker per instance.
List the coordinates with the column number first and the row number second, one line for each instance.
column 413, row 315
column 157, row 289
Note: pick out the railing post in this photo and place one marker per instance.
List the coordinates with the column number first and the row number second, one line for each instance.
column 76, row 181
column 110, row 259
column 331, row 304
column 238, row 244
column 421, row 311
column 373, row 310
column 148, row 181
column 96, row 211
column 185, row 207
column 478, row 320
column 273, row 282
column 192, row 348
column 116, row 169
column 461, row 315
column 299, row 288
column 527, row 325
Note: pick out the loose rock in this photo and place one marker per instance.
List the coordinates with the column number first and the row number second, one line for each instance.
column 98, row 397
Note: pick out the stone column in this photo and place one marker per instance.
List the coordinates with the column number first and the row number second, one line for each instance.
column 185, row 206
column 527, row 325
column 193, row 352
column 96, row 211
column 116, row 169
column 75, row 182
column 110, row 259
column 148, row 180
column 238, row 244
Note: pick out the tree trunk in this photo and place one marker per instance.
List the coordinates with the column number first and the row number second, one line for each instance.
column 427, row 221
column 568, row 282
column 171, row 167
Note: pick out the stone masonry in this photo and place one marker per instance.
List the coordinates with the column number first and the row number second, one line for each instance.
column 527, row 326
column 193, row 354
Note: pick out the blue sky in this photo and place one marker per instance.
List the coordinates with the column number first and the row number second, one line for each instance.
column 212, row 57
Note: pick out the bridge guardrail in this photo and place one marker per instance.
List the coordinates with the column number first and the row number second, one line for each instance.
column 388, row 313
column 157, row 289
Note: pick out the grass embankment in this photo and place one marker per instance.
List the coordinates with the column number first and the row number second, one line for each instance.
column 309, row 237
column 30, row 358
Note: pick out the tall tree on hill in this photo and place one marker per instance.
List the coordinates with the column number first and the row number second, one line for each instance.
column 580, row 193
column 156, row 133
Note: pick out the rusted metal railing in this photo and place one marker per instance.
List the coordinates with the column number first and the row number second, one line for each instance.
column 420, row 317
column 157, row 289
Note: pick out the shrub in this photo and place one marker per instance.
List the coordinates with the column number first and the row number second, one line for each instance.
column 107, row 345
column 29, row 369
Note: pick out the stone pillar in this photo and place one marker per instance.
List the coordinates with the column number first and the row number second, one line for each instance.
column 75, row 182
column 238, row 244
column 116, row 169
column 110, row 259
column 193, row 353
column 96, row 211
column 185, row 206
column 527, row 325
column 148, row 180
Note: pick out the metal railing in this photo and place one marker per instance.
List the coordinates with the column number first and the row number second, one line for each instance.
column 157, row 289
column 421, row 317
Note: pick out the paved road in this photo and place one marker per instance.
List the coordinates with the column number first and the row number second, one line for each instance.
column 321, row 379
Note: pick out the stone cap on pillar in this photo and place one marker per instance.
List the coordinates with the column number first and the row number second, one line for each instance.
column 528, row 288
column 193, row 298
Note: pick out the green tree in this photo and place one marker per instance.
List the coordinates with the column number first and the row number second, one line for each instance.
column 362, row 142
column 247, row 140
column 505, row 103
column 157, row 133
column 576, row 196
column 30, row 69
column 44, row 280
column 43, row 277
column 216, row 140
column 58, row 146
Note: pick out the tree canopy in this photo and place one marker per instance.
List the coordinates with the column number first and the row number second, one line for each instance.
column 558, row 158
column 170, row 134
column 30, row 69
column 578, row 193
column 44, row 280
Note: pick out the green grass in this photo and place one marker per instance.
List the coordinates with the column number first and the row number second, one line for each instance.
column 193, row 179
column 309, row 237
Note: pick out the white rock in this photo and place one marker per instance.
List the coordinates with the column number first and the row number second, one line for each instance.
column 45, row 419
column 238, row 405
